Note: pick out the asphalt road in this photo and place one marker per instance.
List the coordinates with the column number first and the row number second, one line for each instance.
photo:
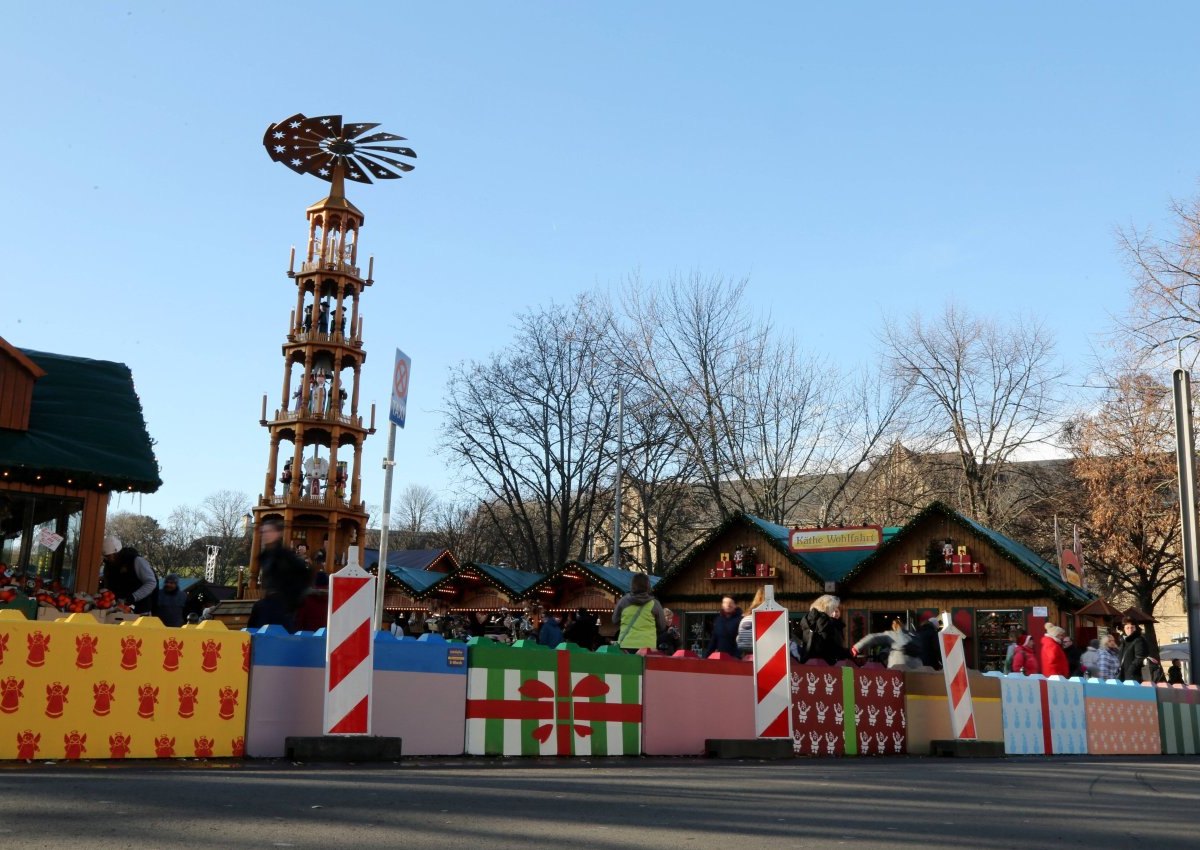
column 639, row 803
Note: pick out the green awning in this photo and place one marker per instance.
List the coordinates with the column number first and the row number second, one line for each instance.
column 85, row 426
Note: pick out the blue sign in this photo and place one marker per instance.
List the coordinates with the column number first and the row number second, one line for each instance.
column 400, row 388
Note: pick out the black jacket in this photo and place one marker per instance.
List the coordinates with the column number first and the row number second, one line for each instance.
column 927, row 645
column 823, row 637
column 284, row 575
column 1133, row 655
column 724, row 634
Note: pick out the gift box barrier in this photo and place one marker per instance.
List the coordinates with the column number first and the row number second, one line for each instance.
column 847, row 710
column 418, row 691
column 1042, row 716
column 1122, row 718
column 929, row 711
column 531, row 700
column 1179, row 718
column 79, row 689
column 688, row 700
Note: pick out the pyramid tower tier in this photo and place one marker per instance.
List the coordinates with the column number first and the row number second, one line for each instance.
column 314, row 466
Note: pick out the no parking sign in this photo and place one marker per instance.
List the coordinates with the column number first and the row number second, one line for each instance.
column 400, row 388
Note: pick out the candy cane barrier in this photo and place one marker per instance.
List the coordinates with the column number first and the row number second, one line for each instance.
column 772, row 669
column 958, row 686
column 349, row 650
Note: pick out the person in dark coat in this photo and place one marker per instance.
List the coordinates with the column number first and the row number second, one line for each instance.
column 583, row 631
column 172, row 602
column 725, row 629
column 129, row 576
column 824, row 631
column 550, row 634
column 1134, row 652
column 926, row 639
column 284, row 578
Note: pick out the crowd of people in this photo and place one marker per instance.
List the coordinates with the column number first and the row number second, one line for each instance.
column 295, row 595
column 1125, row 658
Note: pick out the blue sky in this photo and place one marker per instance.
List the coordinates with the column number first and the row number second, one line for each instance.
column 855, row 160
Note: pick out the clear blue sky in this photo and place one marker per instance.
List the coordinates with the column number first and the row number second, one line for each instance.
column 856, row 160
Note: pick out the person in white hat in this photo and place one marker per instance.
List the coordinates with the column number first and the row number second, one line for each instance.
column 129, row 576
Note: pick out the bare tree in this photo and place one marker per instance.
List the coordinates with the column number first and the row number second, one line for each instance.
column 411, row 517
column 1165, row 306
column 1126, row 463
column 223, row 525
column 764, row 425
column 141, row 532
column 529, row 430
column 986, row 392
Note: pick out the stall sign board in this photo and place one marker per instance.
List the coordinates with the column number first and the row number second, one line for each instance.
column 849, row 539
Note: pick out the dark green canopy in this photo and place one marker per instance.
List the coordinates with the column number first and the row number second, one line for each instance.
column 85, row 426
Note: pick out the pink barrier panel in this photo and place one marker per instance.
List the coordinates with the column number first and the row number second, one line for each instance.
column 688, row 700
column 420, row 691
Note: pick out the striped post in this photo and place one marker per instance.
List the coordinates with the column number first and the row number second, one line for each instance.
column 958, row 686
column 772, row 669
column 349, row 650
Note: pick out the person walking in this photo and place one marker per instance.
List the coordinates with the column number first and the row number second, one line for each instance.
column 1134, row 652
column 1025, row 659
column 725, row 629
column 638, row 616
column 1053, row 658
column 824, row 631
column 900, row 647
column 927, row 643
column 745, row 632
column 284, row 578
column 1108, row 659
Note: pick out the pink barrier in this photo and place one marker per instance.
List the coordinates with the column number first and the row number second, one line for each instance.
column 688, row 700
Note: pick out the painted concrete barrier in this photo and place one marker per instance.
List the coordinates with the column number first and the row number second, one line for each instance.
column 688, row 700
column 1122, row 718
column 848, row 711
column 1043, row 716
column 530, row 700
column 77, row 689
column 1179, row 719
column 928, row 712
column 419, row 691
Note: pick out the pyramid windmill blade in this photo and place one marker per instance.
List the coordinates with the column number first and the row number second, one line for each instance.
column 374, row 168
column 352, row 131
column 374, row 157
column 401, row 151
column 382, row 137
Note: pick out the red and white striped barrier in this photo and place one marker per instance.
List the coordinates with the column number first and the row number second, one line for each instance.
column 958, row 686
column 349, row 650
column 772, row 669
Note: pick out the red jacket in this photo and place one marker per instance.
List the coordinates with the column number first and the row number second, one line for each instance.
column 1025, row 660
column 1054, row 660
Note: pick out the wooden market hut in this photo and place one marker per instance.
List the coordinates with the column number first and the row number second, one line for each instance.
column 475, row 588
column 578, row 584
column 1013, row 588
column 693, row 589
column 71, row 434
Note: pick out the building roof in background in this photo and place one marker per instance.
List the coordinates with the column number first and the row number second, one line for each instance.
column 1017, row 553
column 415, row 559
column 613, row 580
column 86, row 427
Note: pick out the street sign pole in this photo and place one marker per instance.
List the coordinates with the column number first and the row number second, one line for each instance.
column 1185, row 448
column 396, row 418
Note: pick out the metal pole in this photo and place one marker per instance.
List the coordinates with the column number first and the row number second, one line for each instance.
column 381, row 568
column 617, row 488
column 1185, row 458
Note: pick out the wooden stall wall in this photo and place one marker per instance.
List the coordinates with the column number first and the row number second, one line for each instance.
column 693, row 587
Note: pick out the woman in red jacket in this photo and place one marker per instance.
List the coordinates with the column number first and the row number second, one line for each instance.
column 1025, row 658
column 1054, row 659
